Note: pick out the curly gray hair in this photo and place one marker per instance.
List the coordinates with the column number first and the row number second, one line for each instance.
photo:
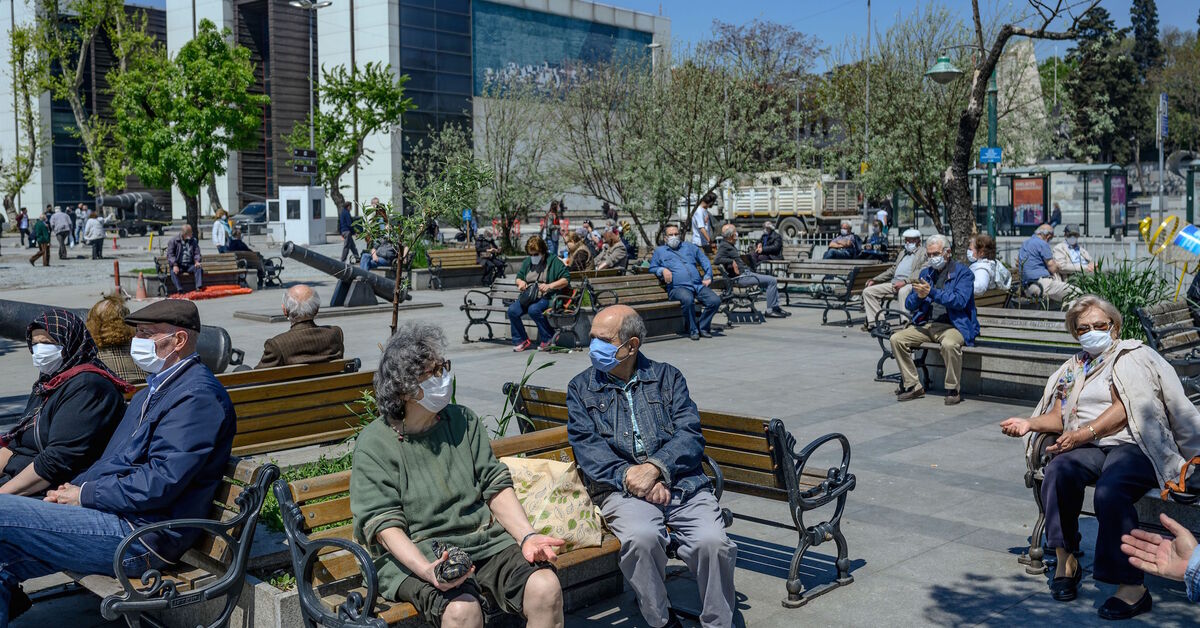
column 406, row 358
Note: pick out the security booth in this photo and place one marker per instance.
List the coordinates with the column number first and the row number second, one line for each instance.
column 303, row 215
column 1092, row 196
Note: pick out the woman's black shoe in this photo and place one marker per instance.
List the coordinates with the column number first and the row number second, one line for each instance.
column 1065, row 588
column 1114, row 608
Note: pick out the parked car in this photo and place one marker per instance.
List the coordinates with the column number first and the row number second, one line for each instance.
column 252, row 214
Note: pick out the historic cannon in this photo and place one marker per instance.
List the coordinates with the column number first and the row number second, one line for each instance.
column 215, row 348
column 136, row 212
column 355, row 285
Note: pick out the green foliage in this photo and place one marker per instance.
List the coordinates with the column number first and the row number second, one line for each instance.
column 1129, row 285
column 1147, row 49
column 351, row 106
column 1179, row 77
column 26, row 68
column 283, row 580
column 271, row 516
column 1104, row 90
column 508, row 412
column 179, row 118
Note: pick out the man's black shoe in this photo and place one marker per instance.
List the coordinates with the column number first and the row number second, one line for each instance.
column 774, row 314
column 694, row 336
column 706, row 334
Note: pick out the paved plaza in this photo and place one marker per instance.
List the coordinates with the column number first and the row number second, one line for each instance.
column 934, row 526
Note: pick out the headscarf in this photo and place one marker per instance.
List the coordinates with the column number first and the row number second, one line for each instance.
column 79, row 353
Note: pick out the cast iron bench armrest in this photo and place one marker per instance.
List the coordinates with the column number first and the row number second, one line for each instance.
column 160, row 593
column 358, row 610
column 597, row 295
column 838, row 480
column 469, row 305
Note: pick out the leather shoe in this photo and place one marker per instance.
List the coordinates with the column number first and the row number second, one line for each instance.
column 916, row 393
column 706, row 334
column 1114, row 608
column 694, row 336
column 953, row 397
column 1065, row 588
column 774, row 314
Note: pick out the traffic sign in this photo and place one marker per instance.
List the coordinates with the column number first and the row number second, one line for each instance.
column 1162, row 115
column 990, row 155
column 304, row 153
column 305, row 169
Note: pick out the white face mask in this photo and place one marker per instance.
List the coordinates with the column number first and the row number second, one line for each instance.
column 1096, row 342
column 910, row 247
column 673, row 241
column 971, row 256
column 845, row 231
column 145, row 355
column 535, row 259
column 937, row 262
column 436, row 392
column 47, row 357
column 1072, row 240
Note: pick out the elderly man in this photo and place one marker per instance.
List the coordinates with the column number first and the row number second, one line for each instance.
column 487, row 255
column 614, row 254
column 730, row 260
column 1070, row 256
column 846, row 246
column 306, row 342
column 942, row 303
column 636, row 436
column 183, row 256
column 770, row 246
column 164, row 461
column 60, row 225
column 1039, row 272
column 675, row 263
column 893, row 283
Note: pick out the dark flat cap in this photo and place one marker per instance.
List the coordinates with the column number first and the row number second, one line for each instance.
column 177, row 312
column 1070, row 230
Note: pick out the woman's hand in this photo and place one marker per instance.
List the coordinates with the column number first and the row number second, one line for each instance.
column 1015, row 426
column 521, row 284
column 543, row 289
column 429, row 574
column 1070, row 440
column 540, row 548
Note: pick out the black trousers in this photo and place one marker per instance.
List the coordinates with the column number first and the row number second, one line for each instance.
column 1122, row 474
column 348, row 245
column 97, row 248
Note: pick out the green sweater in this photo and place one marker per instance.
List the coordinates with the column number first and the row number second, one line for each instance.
column 434, row 486
column 551, row 270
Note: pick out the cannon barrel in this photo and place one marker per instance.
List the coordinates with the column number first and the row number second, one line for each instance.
column 382, row 286
column 128, row 200
column 215, row 347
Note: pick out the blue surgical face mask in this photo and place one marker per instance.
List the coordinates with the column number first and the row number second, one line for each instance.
column 1096, row 342
column 937, row 262
column 535, row 259
column 604, row 355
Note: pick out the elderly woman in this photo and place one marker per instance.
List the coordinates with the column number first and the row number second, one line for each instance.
column 875, row 247
column 424, row 472
column 72, row 410
column 989, row 273
column 488, row 255
column 549, row 275
column 106, row 324
column 579, row 257
column 1127, row 427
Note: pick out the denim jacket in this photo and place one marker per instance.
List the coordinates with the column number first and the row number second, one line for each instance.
column 602, row 435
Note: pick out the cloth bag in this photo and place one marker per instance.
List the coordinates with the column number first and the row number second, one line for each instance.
column 556, row 501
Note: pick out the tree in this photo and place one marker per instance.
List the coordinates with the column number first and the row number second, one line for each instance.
column 1110, row 107
column 27, row 70
column 179, row 118
column 767, row 52
column 515, row 138
column 1180, row 78
column 1147, row 49
column 352, row 106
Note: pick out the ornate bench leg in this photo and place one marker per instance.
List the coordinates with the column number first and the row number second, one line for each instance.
column 1033, row 558
column 795, row 588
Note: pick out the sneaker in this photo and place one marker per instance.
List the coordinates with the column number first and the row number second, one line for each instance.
column 915, row 393
column 545, row 346
column 952, row 398
column 774, row 314
column 523, row 346
column 693, row 335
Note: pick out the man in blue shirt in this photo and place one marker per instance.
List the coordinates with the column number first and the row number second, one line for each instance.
column 164, row 461
column 1039, row 271
column 675, row 263
column 1177, row 558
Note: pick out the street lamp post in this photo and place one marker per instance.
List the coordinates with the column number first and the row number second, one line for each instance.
column 311, row 6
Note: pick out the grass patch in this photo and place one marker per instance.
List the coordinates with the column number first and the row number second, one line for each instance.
column 271, row 515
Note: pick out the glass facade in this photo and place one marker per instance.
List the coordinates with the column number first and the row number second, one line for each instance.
column 67, row 155
column 435, row 53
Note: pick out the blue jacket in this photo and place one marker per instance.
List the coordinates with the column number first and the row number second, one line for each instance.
column 1191, row 576
column 682, row 264
column 346, row 222
column 602, row 435
column 958, row 297
column 168, row 463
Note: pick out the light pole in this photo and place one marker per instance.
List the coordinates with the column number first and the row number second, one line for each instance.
column 311, row 6
column 867, row 112
column 944, row 72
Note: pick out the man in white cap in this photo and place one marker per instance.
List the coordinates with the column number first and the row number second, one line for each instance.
column 894, row 283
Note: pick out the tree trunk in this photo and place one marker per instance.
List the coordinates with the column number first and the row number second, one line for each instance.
column 335, row 193
column 214, row 201
column 10, row 210
column 192, row 203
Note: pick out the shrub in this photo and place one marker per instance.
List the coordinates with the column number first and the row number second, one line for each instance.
column 271, row 516
column 1128, row 285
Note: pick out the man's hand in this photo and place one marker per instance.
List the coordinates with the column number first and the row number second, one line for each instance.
column 65, row 494
column 870, row 282
column 429, row 574
column 1016, row 426
column 175, row 269
column 1158, row 556
column 659, row 495
column 758, row 249
column 540, row 548
column 639, row 479
column 898, row 284
column 706, row 281
column 1070, row 440
column 1091, row 267
column 921, row 288
column 666, row 275
column 738, row 272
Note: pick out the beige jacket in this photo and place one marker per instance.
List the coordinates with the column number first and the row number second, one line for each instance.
column 1164, row 422
column 1065, row 266
column 918, row 263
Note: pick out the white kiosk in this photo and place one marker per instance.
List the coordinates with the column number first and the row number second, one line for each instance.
column 301, row 215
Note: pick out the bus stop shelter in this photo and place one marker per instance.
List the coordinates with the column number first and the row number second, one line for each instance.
column 1092, row 196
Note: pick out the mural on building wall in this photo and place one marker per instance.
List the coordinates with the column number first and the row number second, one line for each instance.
column 511, row 42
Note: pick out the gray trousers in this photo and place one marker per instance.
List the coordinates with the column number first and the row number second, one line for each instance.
column 703, row 547
column 769, row 284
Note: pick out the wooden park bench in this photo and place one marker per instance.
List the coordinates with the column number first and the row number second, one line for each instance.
column 286, row 415
column 831, row 284
column 214, row 569
column 642, row 292
column 457, row 266
column 791, row 253
column 490, row 307
column 756, row 457
column 336, row 579
column 893, row 317
column 578, row 276
column 218, row 268
column 1171, row 331
column 738, row 303
column 271, row 267
column 274, row 375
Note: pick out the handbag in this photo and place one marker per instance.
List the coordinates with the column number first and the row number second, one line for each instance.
column 531, row 294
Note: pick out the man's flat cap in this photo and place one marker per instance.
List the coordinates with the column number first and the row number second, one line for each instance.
column 177, row 312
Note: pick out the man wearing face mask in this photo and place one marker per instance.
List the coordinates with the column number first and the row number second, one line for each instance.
column 942, row 304
column 675, row 263
column 893, row 283
column 770, row 246
column 846, row 246
column 1070, row 255
column 1039, row 271
column 164, row 461
column 731, row 261
column 636, row 436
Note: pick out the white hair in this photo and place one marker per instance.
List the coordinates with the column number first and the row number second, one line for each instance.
column 301, row 310
column 938, row 238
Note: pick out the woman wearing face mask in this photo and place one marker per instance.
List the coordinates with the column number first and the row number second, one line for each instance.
column 550, row 276
column 989, row 273
column 875, row 247
column 1128, row 427
column 75, row 404
column 424, row 472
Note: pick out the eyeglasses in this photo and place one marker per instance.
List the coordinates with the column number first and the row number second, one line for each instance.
column 1100, row 326
column 439, row 369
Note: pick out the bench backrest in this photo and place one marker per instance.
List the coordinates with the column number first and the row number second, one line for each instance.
column 277, row 374
column 1038, row 329
column 993, row 298
column 212, row 552
column 286, row 415
column 580, row 275
column 628, row 289
column 859, row 271
column 450, row 258
column 1169, row 327
column 213, row 263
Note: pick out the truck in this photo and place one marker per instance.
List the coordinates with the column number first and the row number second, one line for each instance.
column 799, row 202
